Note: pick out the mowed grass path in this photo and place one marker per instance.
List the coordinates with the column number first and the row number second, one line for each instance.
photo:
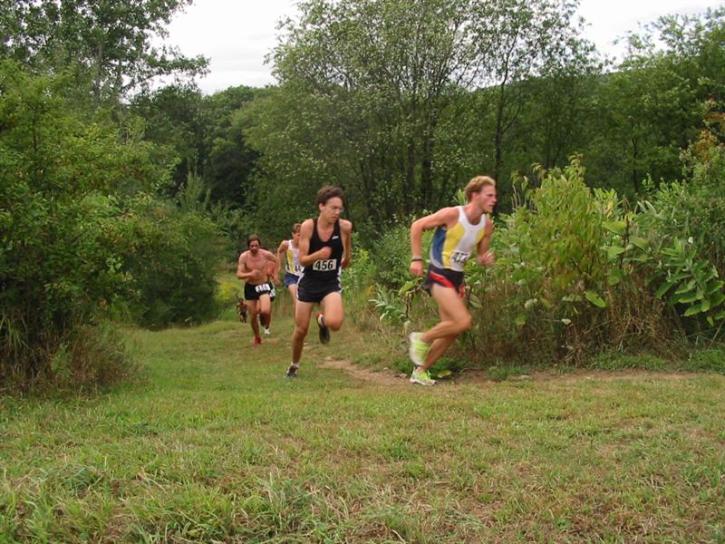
column 215, row 445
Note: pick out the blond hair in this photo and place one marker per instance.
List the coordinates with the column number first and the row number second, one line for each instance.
column 476, row 184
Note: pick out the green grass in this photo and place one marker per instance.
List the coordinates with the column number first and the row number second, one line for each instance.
column 214, row 445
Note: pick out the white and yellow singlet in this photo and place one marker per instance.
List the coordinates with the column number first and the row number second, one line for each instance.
column 292, row 260
column 452, row 247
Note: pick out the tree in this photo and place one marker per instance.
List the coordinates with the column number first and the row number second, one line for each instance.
column 174, row 117
column 229, row 161
column 653, row 106
column 519, row 41
column 390, row 83
column 108, row 44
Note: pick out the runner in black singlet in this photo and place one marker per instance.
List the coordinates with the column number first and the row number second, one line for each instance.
column 325, row 248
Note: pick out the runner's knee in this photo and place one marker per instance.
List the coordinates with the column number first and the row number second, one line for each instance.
column 463, row 324
column 334, row 324
column 466, row 323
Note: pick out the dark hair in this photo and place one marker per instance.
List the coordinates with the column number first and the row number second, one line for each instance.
column 253, row 238
column 327, row 192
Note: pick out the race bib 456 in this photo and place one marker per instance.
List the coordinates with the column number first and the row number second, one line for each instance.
column 325, row 265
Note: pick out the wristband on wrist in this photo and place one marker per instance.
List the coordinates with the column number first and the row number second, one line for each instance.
column 414, row 259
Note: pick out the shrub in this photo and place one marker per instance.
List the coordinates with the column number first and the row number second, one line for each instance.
column 391, row 254
column 678, row 240
column 56, row 271
column 551, row 293
column 170, row 259
column 79, row 233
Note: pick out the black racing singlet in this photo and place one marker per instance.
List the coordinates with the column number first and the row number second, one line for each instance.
column 325, row 270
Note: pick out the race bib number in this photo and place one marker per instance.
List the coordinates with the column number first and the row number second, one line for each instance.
column 297, row 270
column 460, row 257
column 262, row 288
column 325, row 265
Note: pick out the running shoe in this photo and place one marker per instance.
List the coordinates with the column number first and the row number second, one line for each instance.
column 324, row 330
column 292, row 371
column 418, row 350
column 257, row 340
column 421, row 377
column 267, row 332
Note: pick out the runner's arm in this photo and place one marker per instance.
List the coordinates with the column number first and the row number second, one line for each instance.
column 306, row 258
column 304, row 244
column 486, row 257
column 444, row 216
column 242, row 272
column 272, row 258
column 346, row 227
column 282, row 249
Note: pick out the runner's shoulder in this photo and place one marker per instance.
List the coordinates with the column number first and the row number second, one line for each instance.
column 345, row 226
column 307, row 225
column 446, row 215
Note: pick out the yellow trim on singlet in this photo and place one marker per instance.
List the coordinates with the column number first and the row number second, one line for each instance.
column 290, row 260
column 453, row 238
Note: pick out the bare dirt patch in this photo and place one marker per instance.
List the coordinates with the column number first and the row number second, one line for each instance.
column 384, row 377
column 476, row 376
column 481, row 376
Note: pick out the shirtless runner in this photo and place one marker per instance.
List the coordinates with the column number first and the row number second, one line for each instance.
column 253, row 267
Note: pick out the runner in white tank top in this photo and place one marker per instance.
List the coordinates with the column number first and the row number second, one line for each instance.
column 459, row 230
column 289, row 253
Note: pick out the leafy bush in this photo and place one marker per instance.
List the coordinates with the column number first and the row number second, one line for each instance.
column 547, row 284
column 227, row 296
column 56, row 271
column 170, row 259
column 551, row 293
column 391, row 254
column 79, row 233
column 358, row 285
column 678, row 240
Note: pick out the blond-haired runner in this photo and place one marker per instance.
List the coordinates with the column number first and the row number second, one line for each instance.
column 460, row 230
column 325, row 248
column 289, row 253
column 253, row 267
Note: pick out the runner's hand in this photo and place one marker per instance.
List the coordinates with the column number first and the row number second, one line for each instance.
column 325, row 253
column 416, row 268
column 487, row 259
column 257, row 276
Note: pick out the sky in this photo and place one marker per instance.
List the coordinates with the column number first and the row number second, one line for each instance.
column 237, row 35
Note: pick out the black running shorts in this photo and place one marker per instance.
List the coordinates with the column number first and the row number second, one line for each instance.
column 253, row 292
column 443, row 277
column 312, row 291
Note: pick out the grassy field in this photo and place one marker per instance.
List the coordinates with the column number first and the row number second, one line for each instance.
column 215, row 445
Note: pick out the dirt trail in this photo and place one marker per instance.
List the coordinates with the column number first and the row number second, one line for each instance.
column 394, row 378
column 384, row 377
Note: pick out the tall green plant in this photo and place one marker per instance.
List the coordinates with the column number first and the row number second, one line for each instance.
column 57, row 173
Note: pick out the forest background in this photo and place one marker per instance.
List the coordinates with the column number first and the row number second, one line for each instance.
column 121, row 203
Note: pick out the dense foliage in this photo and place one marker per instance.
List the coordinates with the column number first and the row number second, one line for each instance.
column 121, row 199
column 578, row 272
column 82, row 233
column 107, row 47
